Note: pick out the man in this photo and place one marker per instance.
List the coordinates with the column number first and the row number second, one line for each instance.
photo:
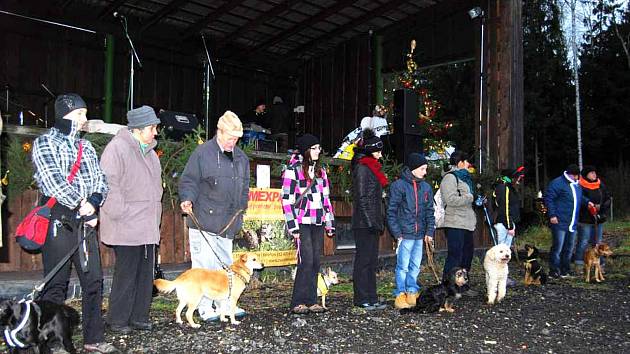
column 130, row 218
column 279, row 118
column 258, row 115
column 214, row 187
column 74, row 215
column 563, row 198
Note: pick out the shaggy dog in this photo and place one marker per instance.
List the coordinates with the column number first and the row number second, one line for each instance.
column 218, row 285
column 38, row 326
column 534, row 272
column 591, row 259
column 495, row 264
column 441, row 297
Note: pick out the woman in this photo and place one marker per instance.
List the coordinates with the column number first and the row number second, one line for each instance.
column 368, row 222
column 590, row 222
column 307, row 208
column 457, row 192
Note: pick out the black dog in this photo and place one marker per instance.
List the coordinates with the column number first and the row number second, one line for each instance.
column 440, row 297
column 534, row 272
column 37, row 326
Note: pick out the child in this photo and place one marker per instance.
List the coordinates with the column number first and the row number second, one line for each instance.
column 410, row 218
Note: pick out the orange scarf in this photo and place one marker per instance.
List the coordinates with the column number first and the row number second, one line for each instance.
column 589, row 185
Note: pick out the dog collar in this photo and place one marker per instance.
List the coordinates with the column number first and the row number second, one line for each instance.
column 11, row 335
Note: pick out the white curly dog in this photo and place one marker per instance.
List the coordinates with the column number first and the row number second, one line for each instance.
column 496, row 265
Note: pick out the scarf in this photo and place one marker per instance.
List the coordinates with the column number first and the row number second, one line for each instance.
column 464, row 175
column 375, row 167
column 590, row 185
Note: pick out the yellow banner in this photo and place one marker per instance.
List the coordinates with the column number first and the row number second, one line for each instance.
column 264, row 204
column 272, row 258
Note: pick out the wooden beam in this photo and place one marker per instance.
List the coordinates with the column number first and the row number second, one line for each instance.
column 271, row 13
column 165, row 11
column 213, row 15
column 111, row 8
column 348, row 26
column 303, row 25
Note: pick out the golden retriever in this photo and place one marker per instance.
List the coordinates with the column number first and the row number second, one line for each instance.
column 495, row 264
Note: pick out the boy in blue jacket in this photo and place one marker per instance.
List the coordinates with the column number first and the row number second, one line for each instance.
column 563, row 199
column 410, row 219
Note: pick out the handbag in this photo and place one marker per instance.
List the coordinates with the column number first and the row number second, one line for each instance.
column 31, row 232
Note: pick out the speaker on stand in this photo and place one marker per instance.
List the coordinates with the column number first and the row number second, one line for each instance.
column 407, row 133
column 177, row 124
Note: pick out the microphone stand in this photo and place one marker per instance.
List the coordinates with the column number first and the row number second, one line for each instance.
column 52, row 97
column 206, row 92
column 133, row 54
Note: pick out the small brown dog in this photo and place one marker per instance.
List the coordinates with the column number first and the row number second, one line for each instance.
column 591, row 258
column 195, row 283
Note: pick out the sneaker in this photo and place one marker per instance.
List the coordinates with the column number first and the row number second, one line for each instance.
column 317, row 308
column 379, row 306
column 141, row 326
column 209, row 316
column 240, row 312
column 554, row 275
column 401, row 301
column 510, row 283
column 300, row 310
column 567, row 275
column 120, row 329
column 100, row 348
column 366, row 307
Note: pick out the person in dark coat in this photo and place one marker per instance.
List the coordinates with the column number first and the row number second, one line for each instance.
column 562, row 199
column 411, row 221
column 368, row 181
column 507, row 204
column 590, row 224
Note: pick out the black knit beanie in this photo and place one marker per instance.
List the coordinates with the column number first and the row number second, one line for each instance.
column 305, row 142
column 370, row 142
column 67, row 103
column 587, row 169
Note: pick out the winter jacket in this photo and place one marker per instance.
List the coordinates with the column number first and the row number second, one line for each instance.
column 315, row 207
column 598, row 194
column 132, row 211
column 217, row 186
column 458, row 203
column 367, row 196
column 507, row 205
column 563, row 198
column 410, row 207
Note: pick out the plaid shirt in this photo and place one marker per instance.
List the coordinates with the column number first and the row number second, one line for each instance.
column 54, row 153
column 315, row 207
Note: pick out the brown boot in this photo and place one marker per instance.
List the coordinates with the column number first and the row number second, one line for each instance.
column 401, row 301
column 411, row 299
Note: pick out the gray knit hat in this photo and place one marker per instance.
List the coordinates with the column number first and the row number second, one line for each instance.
column 142, row 117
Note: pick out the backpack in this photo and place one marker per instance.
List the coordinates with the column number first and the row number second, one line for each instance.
column 439, row 207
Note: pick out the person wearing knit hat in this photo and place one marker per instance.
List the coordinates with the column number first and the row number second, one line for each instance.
column 133, row 172
column 258, row 115
column 215, row 188
column 53, row 155
column 507, row 204
column 563, row 198
column 412, row 222
column 591, row 221
column 308, row 212
column 368, row 223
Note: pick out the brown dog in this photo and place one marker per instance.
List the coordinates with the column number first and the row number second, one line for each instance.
column 591, row 258
column 216, row 285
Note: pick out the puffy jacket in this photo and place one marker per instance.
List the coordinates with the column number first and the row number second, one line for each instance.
column 410, row 207
column 367, row 193
column 563, row 198
column 217, row 186
column 458, row 203
column 597, row 193
column 507, row 205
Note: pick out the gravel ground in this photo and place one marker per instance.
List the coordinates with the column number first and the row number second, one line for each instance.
column 564, row 316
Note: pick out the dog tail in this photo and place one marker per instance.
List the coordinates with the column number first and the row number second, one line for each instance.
column 164, row 286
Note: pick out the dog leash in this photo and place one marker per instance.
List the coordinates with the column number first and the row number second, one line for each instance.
column 223, row 265
column 430, row 249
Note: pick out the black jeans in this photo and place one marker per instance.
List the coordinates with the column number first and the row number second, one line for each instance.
column 365, row 264
column 132, row 285
column 59, row 242
column 460, row 249
column 305, row 285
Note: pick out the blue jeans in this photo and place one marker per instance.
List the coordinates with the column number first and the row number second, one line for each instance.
column 561, row 250
column 460, row 250
column 587, row 234
column 408, row 266
column 502, row 235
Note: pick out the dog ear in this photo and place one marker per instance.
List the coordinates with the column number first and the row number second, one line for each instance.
column 244, row 257
column 328, row 270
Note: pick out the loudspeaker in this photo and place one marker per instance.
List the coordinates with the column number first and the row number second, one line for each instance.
column 406, row 112
column 177, row 124
column 406, row 138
